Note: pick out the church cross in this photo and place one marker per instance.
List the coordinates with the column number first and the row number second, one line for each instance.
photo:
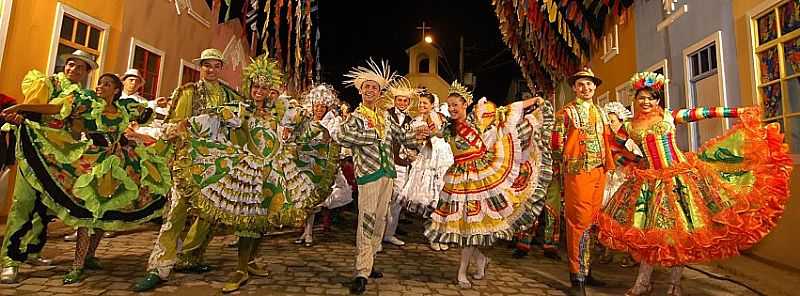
column 423, row 28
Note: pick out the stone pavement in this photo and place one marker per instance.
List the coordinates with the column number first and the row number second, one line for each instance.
column 323, row 269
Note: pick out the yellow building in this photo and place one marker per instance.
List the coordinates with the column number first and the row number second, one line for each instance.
column 161, row 38
column 614, row 60
column 768, row 59
column 423, row 69
column 150, row 35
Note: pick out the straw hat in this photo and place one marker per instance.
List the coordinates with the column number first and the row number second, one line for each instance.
column 210, row 54
column 132, row 72
column 82, row 56
column 585, row 73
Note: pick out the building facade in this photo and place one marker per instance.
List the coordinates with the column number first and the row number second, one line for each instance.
column 158, row 37
column 768, row 65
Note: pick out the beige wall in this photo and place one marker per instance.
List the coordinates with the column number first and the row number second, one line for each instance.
column 157, row 24
column 780, row 246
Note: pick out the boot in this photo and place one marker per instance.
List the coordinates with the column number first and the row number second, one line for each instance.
column 577, row 287
column 358, row 286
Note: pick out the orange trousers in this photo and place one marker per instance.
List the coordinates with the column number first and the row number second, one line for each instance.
column 583, row 199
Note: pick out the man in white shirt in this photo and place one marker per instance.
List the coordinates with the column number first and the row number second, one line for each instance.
column 132, row 82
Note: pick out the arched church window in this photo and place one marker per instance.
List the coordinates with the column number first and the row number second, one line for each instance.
column 424, row 64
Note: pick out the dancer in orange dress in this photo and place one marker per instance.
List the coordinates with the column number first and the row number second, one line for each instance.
column 677, row 208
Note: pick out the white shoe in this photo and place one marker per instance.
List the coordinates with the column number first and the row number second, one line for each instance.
column 9, row 275
column 72, row 237
column 444, row 247
column 436, row 247
column 380, row 248
column 395, row 241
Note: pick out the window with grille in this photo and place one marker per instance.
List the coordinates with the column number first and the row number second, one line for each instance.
column 76, row 34
column 148, row 63
column 189, row 74
column 777, row 58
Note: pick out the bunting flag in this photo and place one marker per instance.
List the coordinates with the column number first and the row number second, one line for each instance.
column 263, row 20
column 551, row 39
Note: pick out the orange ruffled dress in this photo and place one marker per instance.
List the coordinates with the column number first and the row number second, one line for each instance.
column 691, row 207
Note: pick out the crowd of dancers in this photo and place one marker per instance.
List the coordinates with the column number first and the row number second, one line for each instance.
column 254, row 161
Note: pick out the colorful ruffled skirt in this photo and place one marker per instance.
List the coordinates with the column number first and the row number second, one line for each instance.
column 495, row 194
column 724, row 199
column 113, row 188
column 255, row 185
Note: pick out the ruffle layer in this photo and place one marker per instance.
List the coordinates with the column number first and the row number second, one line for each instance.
column 476, row 206
column 748, row 212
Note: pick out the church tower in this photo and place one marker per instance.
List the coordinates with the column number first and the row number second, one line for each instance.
column 423, row 69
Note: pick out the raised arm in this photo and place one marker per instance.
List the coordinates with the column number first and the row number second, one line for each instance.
column 695, row 114
column 619, row 151
column 352, row 134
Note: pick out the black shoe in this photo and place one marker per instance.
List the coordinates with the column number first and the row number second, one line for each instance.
column 518, row 254
column 359, row 285
column 375, row 274
column 577, row 289
column 593, row 282
column 196, row 268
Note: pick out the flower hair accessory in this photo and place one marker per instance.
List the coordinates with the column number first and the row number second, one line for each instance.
column 655, row 81
column 321, row 94
column 461, row 90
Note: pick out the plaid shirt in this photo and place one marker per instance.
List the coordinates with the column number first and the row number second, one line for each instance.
column 373, row 157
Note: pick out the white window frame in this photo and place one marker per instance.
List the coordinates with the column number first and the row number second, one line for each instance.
column 180, row 70
column 5, row 17
column 603, row 99
column 61, row 10
column 611, row 44
column 716, row 39
column 196, row 15
column 625, row 85
column 132, row 52
column 663, row 64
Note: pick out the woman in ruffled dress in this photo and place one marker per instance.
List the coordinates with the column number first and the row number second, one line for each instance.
column 322, row 101
column 478, row 204
column 677, row 208
column 426, row 177
column 246, row 177
column 82, row 166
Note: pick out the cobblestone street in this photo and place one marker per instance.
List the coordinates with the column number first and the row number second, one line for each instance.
column 324, row 268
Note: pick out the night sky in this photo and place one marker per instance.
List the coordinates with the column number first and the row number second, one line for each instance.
column 353, row 31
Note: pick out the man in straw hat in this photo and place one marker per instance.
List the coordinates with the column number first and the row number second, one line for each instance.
column 191, row 99
column 402, row 94
column 582, row 156
column 369, row 134
column 37, row 89
column 133, row 82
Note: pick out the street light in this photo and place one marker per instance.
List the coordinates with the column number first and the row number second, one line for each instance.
column 428, row 39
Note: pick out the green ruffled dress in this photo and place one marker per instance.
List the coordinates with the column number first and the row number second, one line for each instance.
column 85, row 170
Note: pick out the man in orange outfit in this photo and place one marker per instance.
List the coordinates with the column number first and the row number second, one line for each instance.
column 581, row 145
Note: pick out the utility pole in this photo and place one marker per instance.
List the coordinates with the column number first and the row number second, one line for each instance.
column 461, row 59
